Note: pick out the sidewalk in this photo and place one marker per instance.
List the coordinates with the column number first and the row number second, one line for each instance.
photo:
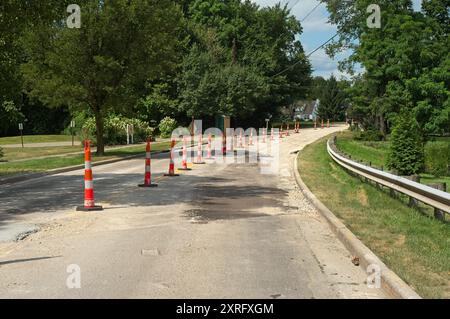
column 94, row 149
column 47, row 144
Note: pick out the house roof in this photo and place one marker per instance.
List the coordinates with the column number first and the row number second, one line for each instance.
column 306, row 106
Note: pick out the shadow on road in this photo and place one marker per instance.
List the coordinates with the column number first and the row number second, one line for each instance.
column 236, row 196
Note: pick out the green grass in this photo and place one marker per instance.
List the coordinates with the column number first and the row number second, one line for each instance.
column 39, row 165
column 36, row 139
column 376, row 153
column 18, row 153
column 413, row 245
column 441, row 139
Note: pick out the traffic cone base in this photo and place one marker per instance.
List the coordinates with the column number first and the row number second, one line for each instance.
column 89, row 209
column 185, row 169
column 148, row 185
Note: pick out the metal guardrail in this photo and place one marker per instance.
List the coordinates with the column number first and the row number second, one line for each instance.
column 438, row 199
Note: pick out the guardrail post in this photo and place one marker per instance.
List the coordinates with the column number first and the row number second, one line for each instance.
column 439, row 214
column 392, row 193
column 412, row 201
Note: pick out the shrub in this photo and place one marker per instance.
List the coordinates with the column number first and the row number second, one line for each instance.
column 406, row 148
column 1, row 152
column 166, row 127
column 369, row 135
column 115, row 130
column 437, row 158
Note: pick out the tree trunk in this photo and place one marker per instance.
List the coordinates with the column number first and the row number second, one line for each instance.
column 100, row 129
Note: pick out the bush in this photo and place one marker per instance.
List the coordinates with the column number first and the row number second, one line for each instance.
column 437, row 158
column 406, row 148
column 167, row 126
column 115, row 130
column 369, row 135
column 1, row 152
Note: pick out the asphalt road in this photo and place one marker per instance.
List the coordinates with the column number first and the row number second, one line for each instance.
column 218, row 231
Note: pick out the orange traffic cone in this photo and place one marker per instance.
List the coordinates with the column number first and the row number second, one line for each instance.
column 89, row 204
column 171, row 163
column 148, row 167
column 241, row 144
column 184, row 166
column 199, row 159
column 209, row 148
column 224, row 145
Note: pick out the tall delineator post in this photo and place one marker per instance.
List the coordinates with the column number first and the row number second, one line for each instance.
column 184, row 166
column 148, row 166
column 89, row 203
column 171, row 161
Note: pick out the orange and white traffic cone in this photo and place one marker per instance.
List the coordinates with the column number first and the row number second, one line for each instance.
column 224, row 145
column 250, row 139
column 241, row 144
column 230, row 143
column 328, row 123
column 281, row 131
column 209, row 148
column 89, row 203
column 184, row 166
column 199, row 159
column 148, row 167
column 171, row 163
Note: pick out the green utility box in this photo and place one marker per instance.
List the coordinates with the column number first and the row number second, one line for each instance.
column 223, row 122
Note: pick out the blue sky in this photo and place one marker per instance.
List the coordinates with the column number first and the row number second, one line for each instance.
column 317, row 30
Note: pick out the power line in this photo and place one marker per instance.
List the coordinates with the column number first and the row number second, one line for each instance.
column 310, row 12
column 307, row 56
column 297, row 2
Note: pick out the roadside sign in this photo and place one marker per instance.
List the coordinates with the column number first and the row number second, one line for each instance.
column 72, row 126
column 21, row 132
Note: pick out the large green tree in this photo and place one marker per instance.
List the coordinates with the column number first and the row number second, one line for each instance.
column 104, row 65
column 16, row 17
column 241, row 60
column 405, row 61
column 333, row 100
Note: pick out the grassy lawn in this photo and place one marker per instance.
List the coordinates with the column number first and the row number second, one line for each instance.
column 19, row 153
column 39, row 165
column 36, row 139
column 413, row 245
column 376, row 152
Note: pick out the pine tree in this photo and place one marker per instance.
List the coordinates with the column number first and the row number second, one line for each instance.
column 406, row 153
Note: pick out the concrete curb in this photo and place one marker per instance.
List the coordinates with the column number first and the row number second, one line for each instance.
column 390, row 281
column 26, row 177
